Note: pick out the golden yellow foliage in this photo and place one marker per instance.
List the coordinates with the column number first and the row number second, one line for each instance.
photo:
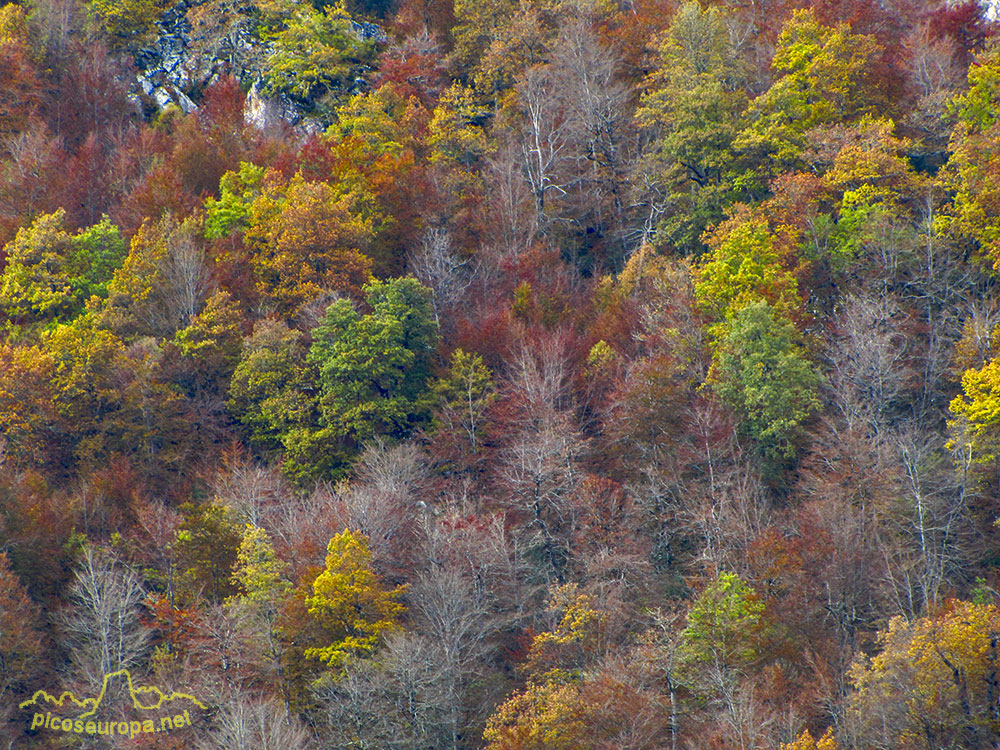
column 805, row 741
column 350, row 601
column 934, row 681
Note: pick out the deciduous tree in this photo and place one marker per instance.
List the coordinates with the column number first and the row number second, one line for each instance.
column 103, row 627
column 824, row 77
column 21, row 643
column 351, row 604
column 50, row 273
column 692, row 105
column 763, row 373
column 374, row 368
column 305, row 241
column 163, row 282
column 934, row 682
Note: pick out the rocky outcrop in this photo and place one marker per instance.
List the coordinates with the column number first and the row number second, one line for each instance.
column 197, row 42
column 185, row 59
column 264, row 112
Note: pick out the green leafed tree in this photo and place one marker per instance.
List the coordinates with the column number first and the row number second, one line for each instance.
column 744, row 265
column 98, row 251
column 693, row 103
column 258, row 572
column 212, row 344
column 124, row 24
column 316, row 56
column 453, row 133
column 231, row 211
column 763, row 373
column 268, row 391
column 51, row 273
column 723, row 625
column 264, row 589
column 478, row 22
column 374, row 368
column 464, row 395
column 824, row 77
column 363, row 376
column 206, row 544
column 384, row 119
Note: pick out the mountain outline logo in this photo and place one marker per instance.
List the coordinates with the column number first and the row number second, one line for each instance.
column 135, row 693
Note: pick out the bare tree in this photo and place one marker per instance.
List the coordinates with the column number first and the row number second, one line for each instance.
column 733, row 512
column 545, row 143
column 935, row 73
column 102, row 627
column 935, row 519
column 596, row 100
column 430, row 687
column 576, row 142
column 387, row 702
column 541, row 464
column 458, row 601
column 847, row 559
column 21, row 649
column 870, row 360
column 540, row 472
column 224, row 657
column 152, row 542
column 438, row 267
column 514, row 222
column 248, row 722
column 185, row 275
column 355, row 708
column 251, row 489
column 383, row 498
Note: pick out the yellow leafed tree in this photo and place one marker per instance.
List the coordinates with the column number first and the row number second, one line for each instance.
column 350, row 602
column 805, row 741
column 935, row 682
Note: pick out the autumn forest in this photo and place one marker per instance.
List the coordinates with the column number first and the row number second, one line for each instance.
column 503, row 374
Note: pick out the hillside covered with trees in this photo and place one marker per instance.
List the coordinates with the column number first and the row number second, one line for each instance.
column 503, row 374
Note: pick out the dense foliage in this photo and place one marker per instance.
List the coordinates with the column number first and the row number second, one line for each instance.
column 544, row 374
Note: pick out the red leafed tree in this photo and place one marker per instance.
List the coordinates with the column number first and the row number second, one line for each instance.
column 213, row 140
column 21, row 652
column 86, row 194
column 159, row 191
column 608, row 544
column 31, row 177
column 90, row 97
column 435, row 16
column 964, row 24
column 635, row 33
column 416, row 67
column 36, row 523
column 23, row 90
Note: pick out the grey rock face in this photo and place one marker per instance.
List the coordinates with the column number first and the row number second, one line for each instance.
column 264, row 112
column 194, row 47
column 370, row 32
